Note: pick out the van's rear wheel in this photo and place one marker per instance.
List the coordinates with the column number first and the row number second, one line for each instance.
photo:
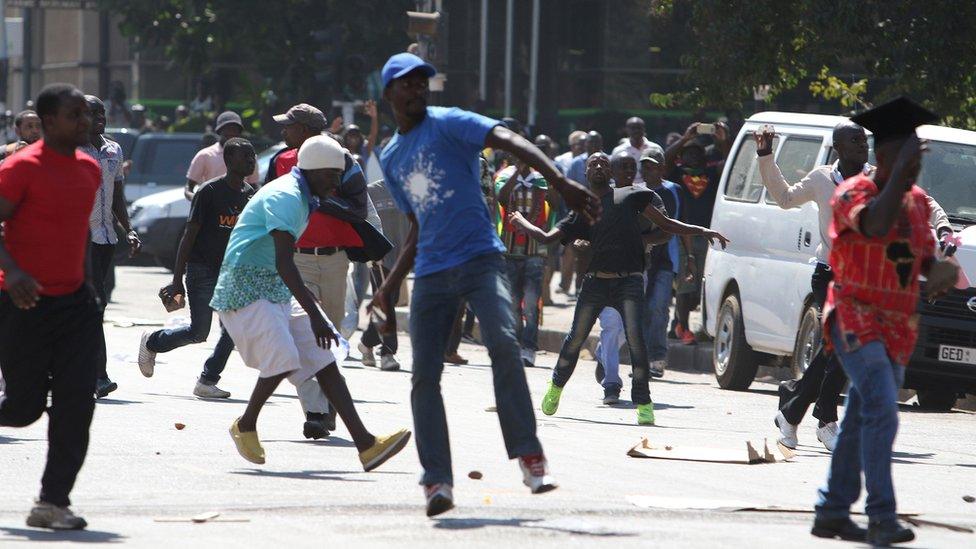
column 734, row 361
column 939, row 400
column 807, row 341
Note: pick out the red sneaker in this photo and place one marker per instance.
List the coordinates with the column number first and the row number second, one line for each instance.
column 535, row 473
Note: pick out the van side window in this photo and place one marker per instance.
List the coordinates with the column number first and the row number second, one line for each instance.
column 796, row 158
column 744, row 183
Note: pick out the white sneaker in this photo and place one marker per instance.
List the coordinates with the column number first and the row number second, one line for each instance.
column 787, row 430
column 369, row 359
column 535, row 473
column 388, row 363
column 657, row 368
column 203, row 390
column 147, row 358
column 828, row 435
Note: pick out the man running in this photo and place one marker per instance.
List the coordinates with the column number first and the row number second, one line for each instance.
column 882, row 243
column 432, row 170
column 273, row 317
column 213, row 214
column 615, row 277
column 50, row 320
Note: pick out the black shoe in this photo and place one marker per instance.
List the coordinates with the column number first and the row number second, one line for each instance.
column 611, row 394
column 886, row 532
column 315, row 426
column 104, row 386
column 330, row 419
column 843, row 528
column 600, row 373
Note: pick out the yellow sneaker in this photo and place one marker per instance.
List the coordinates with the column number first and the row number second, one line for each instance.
column 384, row 448
column 247, row 444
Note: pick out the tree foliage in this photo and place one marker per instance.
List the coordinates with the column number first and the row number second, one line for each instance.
column 278, row 38
column 917, row 47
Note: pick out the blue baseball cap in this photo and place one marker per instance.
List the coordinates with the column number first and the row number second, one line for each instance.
column 403, row 63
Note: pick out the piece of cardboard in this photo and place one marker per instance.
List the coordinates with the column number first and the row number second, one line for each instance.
column 742, row 456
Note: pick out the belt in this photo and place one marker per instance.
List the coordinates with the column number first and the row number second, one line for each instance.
column 605, row 274
column 330, row 250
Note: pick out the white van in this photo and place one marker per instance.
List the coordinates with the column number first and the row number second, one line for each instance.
column 757, row 299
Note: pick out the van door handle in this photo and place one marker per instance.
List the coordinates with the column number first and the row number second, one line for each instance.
column 807, row 237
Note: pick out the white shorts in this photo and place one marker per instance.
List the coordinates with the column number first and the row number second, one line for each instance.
column 276, row 338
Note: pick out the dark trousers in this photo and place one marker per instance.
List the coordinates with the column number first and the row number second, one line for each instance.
column 823, row 380
column 51, row 348
column 200, row 283
column 101, row 264
column 372, row 337
column 627, row 296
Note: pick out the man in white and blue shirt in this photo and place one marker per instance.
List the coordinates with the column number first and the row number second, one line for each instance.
column 108, row 210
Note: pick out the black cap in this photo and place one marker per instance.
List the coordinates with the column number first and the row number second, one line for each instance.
column 895, row 119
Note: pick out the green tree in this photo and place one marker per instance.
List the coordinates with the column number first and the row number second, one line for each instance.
column 278, row 38
column 915, row 47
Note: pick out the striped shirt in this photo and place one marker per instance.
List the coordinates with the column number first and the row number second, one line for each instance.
column 101, row 224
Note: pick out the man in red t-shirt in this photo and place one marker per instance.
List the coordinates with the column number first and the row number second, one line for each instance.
column 50, row 324
column 882, row 242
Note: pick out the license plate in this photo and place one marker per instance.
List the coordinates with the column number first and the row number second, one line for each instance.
column 962, row 355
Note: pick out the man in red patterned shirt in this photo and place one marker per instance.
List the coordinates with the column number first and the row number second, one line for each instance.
column 882, row 242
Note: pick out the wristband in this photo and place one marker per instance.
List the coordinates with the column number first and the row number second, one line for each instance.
column 762, row 153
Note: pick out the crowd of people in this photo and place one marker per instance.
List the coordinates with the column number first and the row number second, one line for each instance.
column 484, row 219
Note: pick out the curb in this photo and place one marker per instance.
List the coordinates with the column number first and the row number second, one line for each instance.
column 683, row 358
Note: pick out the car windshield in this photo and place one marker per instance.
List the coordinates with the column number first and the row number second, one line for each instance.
column 949, row 176
column 169, row 159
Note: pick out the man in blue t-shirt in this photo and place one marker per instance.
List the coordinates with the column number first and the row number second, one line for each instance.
column 431, row 166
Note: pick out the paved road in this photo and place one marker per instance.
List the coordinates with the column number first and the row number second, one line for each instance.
column 141, row 468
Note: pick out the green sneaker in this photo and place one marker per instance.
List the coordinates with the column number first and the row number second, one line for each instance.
column 645, row 414
column 550, row 402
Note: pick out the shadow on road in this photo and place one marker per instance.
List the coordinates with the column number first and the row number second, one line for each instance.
column 559, row 525
column 334, row 442
column 116, row 401
column 198, row 399
column 304, row 475
column 74, row 536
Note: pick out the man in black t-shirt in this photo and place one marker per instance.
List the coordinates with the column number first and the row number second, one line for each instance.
column 213, row 214
column 615, row 277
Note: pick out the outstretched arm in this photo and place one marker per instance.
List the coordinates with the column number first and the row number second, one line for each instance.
column 535, row 233
column 576, row 196
column 676, row 227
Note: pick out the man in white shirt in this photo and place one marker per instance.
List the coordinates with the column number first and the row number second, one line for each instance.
column 637, row 145
column 824, row 379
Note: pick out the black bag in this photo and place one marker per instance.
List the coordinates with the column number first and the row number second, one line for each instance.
column 375, row 245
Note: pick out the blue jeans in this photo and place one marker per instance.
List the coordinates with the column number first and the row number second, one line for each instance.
column 626, row 295
column 525, row 278
column 657, row 297
column 866, row 435
column 483, row 283
column 200, row 282
column 608, row 349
